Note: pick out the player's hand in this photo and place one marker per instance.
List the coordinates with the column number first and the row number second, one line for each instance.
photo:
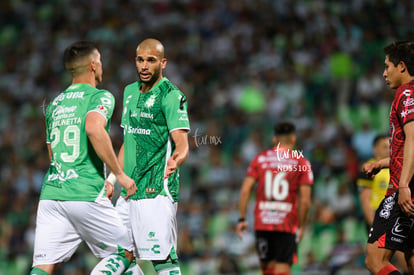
column 299, row 234
column 404, row 201
column 127, row 183
column 242, row 226
column 109, row 190
column 371, row 168
column 171, row 167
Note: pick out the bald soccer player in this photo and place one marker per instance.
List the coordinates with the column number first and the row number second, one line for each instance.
column 156, row 125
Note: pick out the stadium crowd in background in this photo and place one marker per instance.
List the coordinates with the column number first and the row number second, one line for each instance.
column 243, row 66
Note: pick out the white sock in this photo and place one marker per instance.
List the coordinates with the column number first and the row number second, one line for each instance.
column 111, row 265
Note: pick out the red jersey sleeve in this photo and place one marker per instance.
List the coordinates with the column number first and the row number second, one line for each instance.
column 306, row 174
column 405, row 104
column 253, row 169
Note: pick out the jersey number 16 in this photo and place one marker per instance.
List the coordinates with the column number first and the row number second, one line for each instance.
column 276, row 186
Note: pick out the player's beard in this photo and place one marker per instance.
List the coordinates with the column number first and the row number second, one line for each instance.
column 154, row 77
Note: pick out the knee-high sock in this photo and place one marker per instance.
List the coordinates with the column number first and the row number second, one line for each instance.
column 114, row 264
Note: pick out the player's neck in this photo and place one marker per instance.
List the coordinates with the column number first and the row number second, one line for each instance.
column 85, row 79
column 407, row 79
column 146, row 87
column 285, row 146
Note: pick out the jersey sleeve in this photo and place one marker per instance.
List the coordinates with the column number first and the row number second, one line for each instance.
column 102, row 102
column 252, row 170
column 405, row 106
column 47, row 122
column 174, row 106
column 305, row 169
column 127, row 97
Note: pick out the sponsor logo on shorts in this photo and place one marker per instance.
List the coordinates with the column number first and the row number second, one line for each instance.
column 398, row 240
column 402, row 227
column 156, row 249
column 151, row 237
column 40, row 256
column 387, row 206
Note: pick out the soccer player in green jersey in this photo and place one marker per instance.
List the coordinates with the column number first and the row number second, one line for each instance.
column 73, row 206
column 156, row 126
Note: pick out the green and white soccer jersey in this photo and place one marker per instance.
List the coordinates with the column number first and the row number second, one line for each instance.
column 147, row 119
column 76, row 172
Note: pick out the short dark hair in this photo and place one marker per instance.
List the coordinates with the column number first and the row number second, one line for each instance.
column 378, row 138
column 284, row 128
column 401, row 51
column 78, row 50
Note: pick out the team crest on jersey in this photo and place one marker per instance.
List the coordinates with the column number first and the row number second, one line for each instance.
column 150, row 101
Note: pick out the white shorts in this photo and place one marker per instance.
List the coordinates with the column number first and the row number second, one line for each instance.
column 122, row 207
column 62, row 225
column 154, row 227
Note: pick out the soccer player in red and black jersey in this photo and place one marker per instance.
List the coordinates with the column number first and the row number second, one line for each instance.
column 283, row 198
column 392, row 228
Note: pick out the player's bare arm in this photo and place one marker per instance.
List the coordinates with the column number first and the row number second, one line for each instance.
column 49, row 151
column 245, row 192
column 365, row 197
column 303, row 208
column 372, row 168
column 101, row 142
column 110, row 182
column 180, row 154
column 404, row 198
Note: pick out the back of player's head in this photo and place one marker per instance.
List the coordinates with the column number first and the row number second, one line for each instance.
column 75, row 54
column 284, row 128
column 401, row 51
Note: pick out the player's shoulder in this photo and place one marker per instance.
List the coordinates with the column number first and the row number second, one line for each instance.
column 405, row 90
column 102, row 93
column 131, row 85
column 266, row 155
column 167, row 87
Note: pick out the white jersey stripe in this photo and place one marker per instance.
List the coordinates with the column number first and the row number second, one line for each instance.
column 167, row 155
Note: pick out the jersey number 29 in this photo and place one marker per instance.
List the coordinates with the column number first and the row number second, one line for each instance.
column 71, row 138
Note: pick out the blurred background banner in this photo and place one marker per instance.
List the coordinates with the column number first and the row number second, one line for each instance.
column 243, row 66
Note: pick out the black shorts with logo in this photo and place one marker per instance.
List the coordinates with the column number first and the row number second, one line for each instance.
column 276, row 246
column 391, row 227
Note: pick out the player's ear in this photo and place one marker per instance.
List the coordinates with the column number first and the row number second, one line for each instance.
column 92, row 66
column 294, row 138
column 402, row 67
column 163, row 63
column 274, row 140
